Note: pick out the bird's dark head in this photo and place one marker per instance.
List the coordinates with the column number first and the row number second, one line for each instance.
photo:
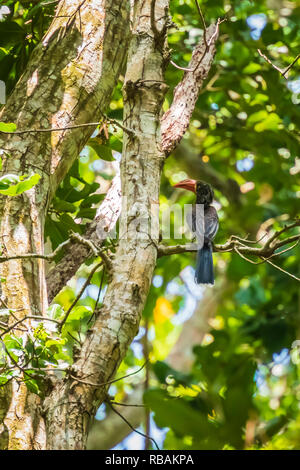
column 203, row 191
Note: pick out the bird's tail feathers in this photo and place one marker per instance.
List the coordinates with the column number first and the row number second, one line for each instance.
column 204, row 273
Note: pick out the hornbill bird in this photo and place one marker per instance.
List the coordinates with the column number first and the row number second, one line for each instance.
column 204, row 273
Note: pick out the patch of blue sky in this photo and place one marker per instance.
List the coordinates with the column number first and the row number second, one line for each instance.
column 256, row 23
column 93, row 292
column 137, row 349
column 282, row 358
column 245, row 164
column 294, row 85
column 98, row 165
column 188, row 276
column 157, row 280
column 90, row 291
column 101, row 412
column 191, row 292
column 185, row 312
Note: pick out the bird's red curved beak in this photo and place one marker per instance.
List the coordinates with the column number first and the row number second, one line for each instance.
column 188, row 184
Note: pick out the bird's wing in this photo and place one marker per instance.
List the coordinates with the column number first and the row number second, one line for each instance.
column 195, row 221
column 211, row 223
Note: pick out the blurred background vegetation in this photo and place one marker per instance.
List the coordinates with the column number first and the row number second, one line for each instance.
column 224, row 368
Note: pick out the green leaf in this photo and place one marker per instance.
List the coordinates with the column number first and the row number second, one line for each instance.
column 12, row 185
column 63, row 206
column 32, row 385
column 7, row 180
column 53, row 231
column 7, row 127
column 55, row 311
column 93, row 199
column 102, row 151
column 79, row 313
column 178, row 414
column 251, row 68
column 11, row 33
column 115, row 144
column 87, row 213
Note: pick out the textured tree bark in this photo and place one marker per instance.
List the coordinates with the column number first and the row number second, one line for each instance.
column 69, row 80
column 176, row 120
column 71, row 404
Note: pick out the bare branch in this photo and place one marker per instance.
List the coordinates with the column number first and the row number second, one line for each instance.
column 291, row 65
column 283, row 72
column 152, row 17
column 75, row 126
column 131, row 427
column 49, row 257
column 109, row 381
column 28, row 317
column 127, row 404
column 283, row 270
column 203, row 22
column 96, row 251
column 238, row 245
column 176, row 119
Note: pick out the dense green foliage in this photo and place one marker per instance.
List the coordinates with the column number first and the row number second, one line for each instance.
column 243, row 139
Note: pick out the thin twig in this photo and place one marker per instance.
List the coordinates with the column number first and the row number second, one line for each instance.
column 126, row 404
column 110, row 381
column 146, row 384
column 203, row 21
column 49, row 257
column 14, row 361
column 291, row 65
column 278, row 233
column 63, row 321
column 235, row 248
column 28, row 317
column 207, row 46
column 131, row 427
column 97, row 252
column 98, row 297
column 73, row 236
column 283, row 270
column 75, row 126
column 84, row 241
column 281, row 71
